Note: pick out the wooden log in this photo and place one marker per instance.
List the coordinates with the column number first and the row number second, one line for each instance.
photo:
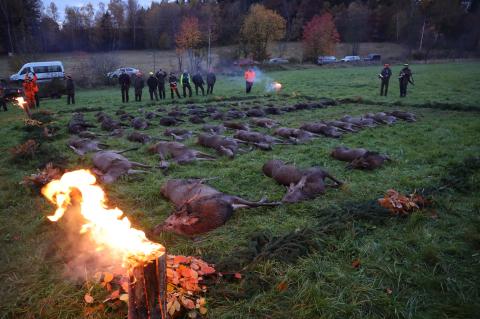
column 139, row 293
column 147, row 295
column 151, row 289
column 162, row 284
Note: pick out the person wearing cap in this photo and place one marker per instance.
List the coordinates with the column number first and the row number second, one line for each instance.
column 138, row 85
column 161, row 76
column 404, row 78
column 211, row 79
column 70, row 90
column 384, row 76
column 172, row 80
column 124, row 81
column 249, row 79
column 152, row 83
column 197, row 80
column 185, row 81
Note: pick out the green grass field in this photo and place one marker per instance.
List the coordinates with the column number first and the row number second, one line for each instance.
column 421, row 266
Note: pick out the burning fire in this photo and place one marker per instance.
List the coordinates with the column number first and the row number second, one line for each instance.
column 275, row 86
column 21, row 102
column 106, row 226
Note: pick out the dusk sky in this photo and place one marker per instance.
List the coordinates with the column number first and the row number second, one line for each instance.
column 61, row 4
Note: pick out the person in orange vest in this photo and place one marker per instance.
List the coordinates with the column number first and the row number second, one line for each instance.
column 249, row 78
column 29, row 95
column 35, row 89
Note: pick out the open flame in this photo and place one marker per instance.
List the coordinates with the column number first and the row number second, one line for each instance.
column 107, row 227
column 274, row 86
column 21, row 102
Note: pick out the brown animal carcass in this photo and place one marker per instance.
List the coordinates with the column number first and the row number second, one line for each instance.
column 213, row 129
column 81, row 146
column 139, row 137
column 139, row 123
column 78, row 124
column 369, row 161
column 381, row 118
column 223, row 145
column 237, row 126
column 406, row 116
column 199, row 207
column 294, row 135
column 110, row 165
column 178, row 153
column 321, row 128
column 345, row 126
column 302, row 184
column 264, row 122
column 259, row 140
column 359, row 121
column 178, row 134
column 346, row 154
column 359, row 157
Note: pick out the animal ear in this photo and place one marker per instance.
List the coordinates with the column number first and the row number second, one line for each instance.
column 191, row 220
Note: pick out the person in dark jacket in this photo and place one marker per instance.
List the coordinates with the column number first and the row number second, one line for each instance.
column 124, row 81
column 161, row 77
column 198, row 82
column 138, row 84
column 211, row 79
column 404, row 78
column 70, row 90
column 172, row 80
column 185, row 81
column 384, row 76
column 152, row 83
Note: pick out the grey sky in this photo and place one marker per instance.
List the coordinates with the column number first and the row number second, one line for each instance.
column 61, row 4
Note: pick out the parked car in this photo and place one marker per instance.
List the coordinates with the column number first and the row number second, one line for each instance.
column 8, row 92
column 115, row 74
column 326, row 59
column 351, row 58
column 277, row 61
column 45, row 71
column 373, row 57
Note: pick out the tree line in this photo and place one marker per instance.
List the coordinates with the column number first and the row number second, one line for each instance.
column 31, row 26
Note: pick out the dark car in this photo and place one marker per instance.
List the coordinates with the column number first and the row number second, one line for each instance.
column 373, row 57
column 8, row 92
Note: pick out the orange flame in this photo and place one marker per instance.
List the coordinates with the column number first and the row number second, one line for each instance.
column 21, row 102
column 276, row 86
column 106, row 226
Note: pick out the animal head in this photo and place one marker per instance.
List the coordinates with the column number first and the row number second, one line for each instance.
column 176, row 222
column 295, row 192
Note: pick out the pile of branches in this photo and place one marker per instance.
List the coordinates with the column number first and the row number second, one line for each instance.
column 25, row 150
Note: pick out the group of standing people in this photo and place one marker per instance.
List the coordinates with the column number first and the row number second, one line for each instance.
column 405, row 77
column 156, row 84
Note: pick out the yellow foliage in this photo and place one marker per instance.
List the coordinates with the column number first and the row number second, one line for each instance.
column 260, row 27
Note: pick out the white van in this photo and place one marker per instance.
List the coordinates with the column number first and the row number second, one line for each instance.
column 45, row 71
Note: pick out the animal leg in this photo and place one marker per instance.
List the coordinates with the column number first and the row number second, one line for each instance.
column 136, row 171
column 337, row 182
column 127, row 150
column 140, row 165
column 238, row 202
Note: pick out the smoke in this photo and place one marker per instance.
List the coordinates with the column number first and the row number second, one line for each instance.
column 80, row 255
column 264, row 80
